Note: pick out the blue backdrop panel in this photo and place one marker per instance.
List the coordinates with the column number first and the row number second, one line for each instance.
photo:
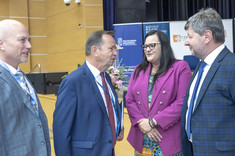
column 129, row 38
column 147, row 27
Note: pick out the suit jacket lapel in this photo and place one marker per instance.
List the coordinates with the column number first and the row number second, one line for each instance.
column 6, row 75
column 157, row 88
column 37, row 99
column 214, row 67
column 144, row 81
column 115, row 96
column 89, row 78
column 185, row 105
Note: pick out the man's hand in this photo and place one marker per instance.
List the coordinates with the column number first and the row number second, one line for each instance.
column 121, row 135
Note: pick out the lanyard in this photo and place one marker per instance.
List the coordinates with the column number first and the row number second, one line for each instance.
column 113, row 103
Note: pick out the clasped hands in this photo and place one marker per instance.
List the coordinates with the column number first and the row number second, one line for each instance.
column 152, row 133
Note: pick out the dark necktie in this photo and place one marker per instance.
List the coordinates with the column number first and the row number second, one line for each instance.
column 191, row 106
column 110, row 108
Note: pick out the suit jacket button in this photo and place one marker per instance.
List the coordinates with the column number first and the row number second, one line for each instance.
column 164, row 92
column 138, row 102
column 161, row 103
column 110, row 141
column 138, row 93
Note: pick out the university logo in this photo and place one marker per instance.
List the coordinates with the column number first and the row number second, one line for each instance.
column 119, row 41
column 179, row 38
column 176, row 38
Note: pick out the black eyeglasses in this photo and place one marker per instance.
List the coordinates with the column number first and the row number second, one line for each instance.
column 151, row 46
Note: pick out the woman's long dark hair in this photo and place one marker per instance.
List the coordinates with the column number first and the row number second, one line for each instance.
column 167, row 56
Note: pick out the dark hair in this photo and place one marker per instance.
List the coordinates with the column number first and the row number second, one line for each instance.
column 96, row 39
column 167, row 56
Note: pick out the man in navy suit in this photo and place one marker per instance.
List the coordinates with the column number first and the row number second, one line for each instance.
column 81, row 124
column 212, row 121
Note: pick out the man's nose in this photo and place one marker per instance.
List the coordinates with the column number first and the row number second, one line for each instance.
column 186, row 43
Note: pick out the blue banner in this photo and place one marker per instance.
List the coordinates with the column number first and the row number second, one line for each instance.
column 147, row 27
column 129, row 38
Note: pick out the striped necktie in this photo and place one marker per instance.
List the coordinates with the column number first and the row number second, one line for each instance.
column 22, row 81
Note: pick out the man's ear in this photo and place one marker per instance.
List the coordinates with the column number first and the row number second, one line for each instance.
column 94, row 50
column 208, row 36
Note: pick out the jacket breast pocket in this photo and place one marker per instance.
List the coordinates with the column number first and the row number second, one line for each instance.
column 82, row 144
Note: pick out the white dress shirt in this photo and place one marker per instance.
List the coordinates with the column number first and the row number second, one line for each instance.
column 96, row 74
column 209, row 60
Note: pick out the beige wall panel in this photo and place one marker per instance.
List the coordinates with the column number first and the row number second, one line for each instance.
column 39, row 59
column 64, row 22
column 18, row 8
column 25, row 21
column 38, row 45
column 94, row 16
column 65, row 62
column 25, row 66
column 37, row 27
column 37, row 8
column 91, row 30
column 92, row 1
column 54, row 7
column 62, row 43
column 2, row 18
column 4, row 8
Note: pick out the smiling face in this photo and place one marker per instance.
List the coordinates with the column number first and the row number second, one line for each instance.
column 15, row 46
column 196, row 44
column 153, row 53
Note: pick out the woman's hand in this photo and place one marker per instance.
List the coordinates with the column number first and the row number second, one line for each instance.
column 144, row 126
column 154, row 135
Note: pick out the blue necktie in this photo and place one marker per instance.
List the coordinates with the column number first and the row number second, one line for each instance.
column 188, row 129
column 21, row 80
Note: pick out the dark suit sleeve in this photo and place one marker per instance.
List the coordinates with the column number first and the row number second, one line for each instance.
column 63, row 118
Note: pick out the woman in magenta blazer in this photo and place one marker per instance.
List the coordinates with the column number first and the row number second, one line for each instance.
column 155, row 97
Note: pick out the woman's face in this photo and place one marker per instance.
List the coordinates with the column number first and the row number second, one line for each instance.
column 152, row 49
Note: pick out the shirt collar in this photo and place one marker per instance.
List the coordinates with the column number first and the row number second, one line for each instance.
column 93, row 69
column 9, row 67
column 212, row 56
